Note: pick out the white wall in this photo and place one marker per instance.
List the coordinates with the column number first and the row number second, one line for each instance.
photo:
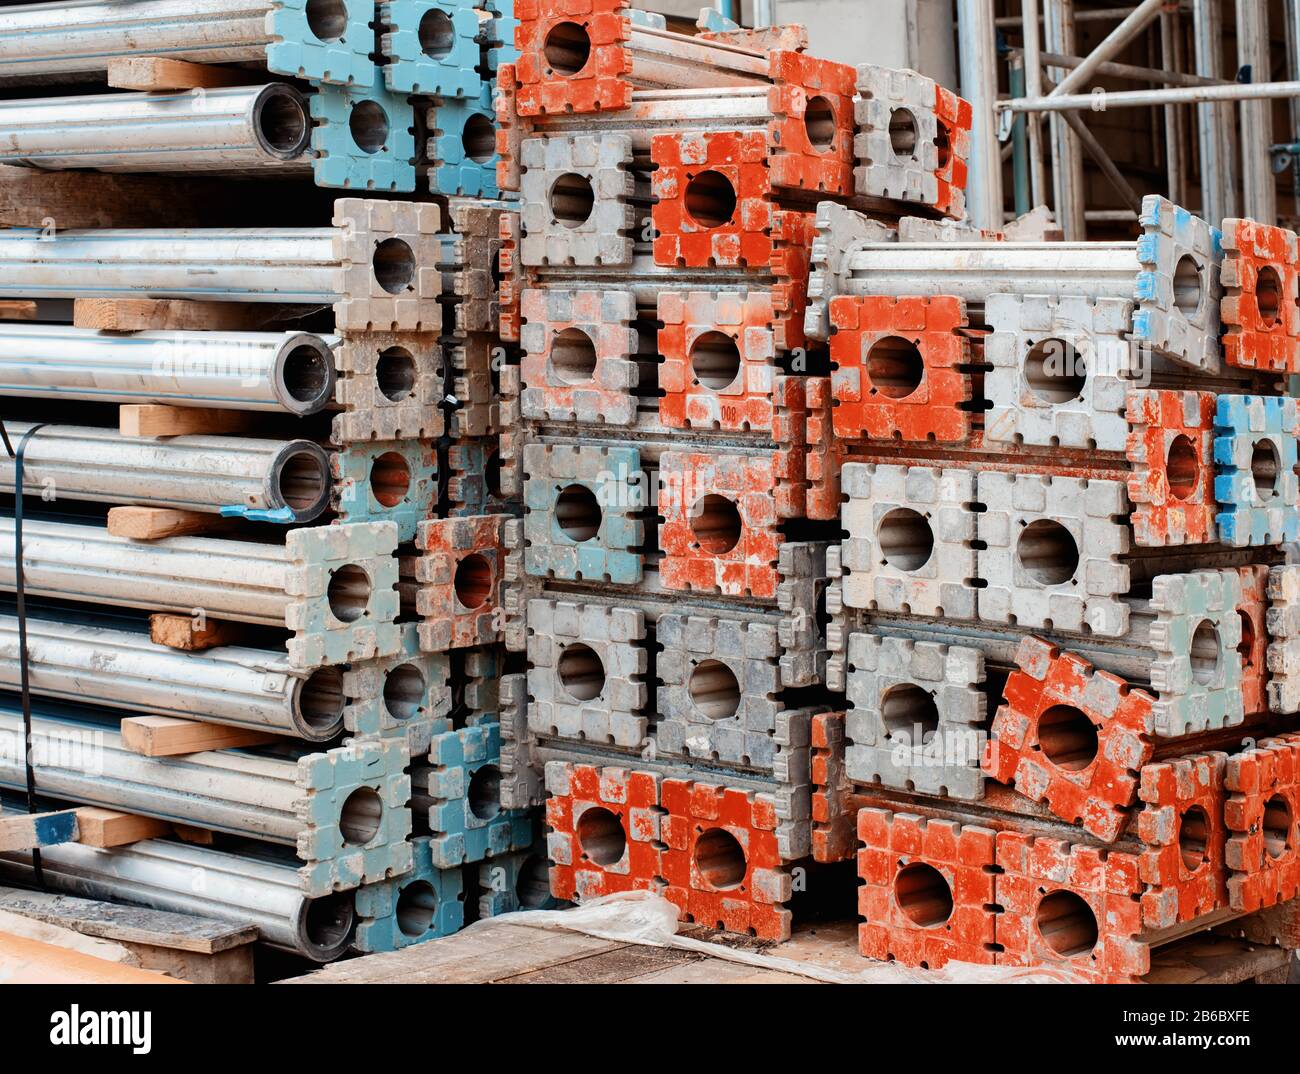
column 893, row 33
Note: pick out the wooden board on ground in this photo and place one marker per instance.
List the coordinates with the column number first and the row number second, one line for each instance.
column 179, row 632
column 1210, row 959
column 154, row 523
column 190, row 948
column 164, row 315
column 27, row 961
column 504, row 953
column 169, row 736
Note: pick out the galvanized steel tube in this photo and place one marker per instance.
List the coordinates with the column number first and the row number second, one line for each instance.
column 85, row 762
column 974, row 270
column 195, row 880
column 290, row 371
column 192, row 473
column 238, row 129
column 237, row 580
column 979, row 85
column 299, row 265
column 234, row 685
column 84, row 35
column 671, row 111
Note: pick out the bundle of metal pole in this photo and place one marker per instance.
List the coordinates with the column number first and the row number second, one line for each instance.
column 237, row 129
column 85, row 35
column 79, row 758
column 288, row 479
column 241, row 580
column 283, row 371
column 253, row 688
column 376, row 264
column 195, row 880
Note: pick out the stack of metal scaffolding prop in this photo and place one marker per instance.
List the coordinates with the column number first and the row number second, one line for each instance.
column 665, row 580
column 347, row 90
column 1059, row 616
column 957, row 550
column 260, row 567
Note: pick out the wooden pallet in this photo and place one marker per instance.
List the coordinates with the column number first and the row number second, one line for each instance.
column 504, row 953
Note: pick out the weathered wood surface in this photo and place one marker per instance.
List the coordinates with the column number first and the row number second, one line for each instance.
column 26, row 961
column 164, row 315
column 184, row 947
column 62, row 200
column 492, row 953
column 137, row 924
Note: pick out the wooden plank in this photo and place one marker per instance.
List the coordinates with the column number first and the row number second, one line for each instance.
column 198, row 836
column 152, row 420
column 493, row 953
column 60, row 935
column 480, row 955
column 1279, row 924
column 129, row 924
column 179, row 632
column 163, row 314
column 1210, row 959
column 150, row 73
column 25, row 961
column 17, row 309
column 110, row 828
column 27, row 831
column 167, row 736
column 153, row 523
column 225, row 967
column 605, row 967
column 719, row 971
column 59, row 200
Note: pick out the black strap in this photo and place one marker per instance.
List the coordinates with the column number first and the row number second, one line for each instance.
column 19, row 597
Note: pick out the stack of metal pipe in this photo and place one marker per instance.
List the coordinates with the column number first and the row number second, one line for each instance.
column 326, row 88
column 954, row 552
column 247, row 459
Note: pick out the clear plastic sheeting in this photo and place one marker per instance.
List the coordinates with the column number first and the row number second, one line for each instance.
column 643, row 917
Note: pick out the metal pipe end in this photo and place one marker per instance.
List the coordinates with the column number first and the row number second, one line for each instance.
column 304, row 373
column 281, row 121
column 317, row 704
column 325, row 925
column 300, row 480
